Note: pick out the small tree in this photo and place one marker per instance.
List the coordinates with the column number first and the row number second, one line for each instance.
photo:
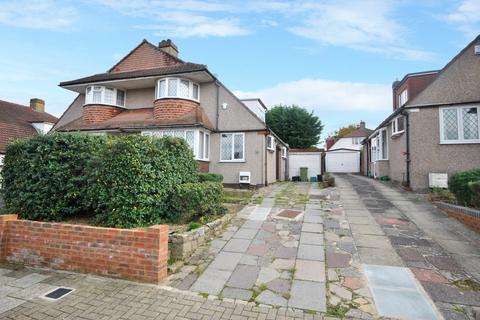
column 294, row 125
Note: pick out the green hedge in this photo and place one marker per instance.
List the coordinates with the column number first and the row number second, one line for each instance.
column 49, row 177
column 126, row 181
column 459, row 183
column 197, row 199
column 475, row 190
column 213, row 177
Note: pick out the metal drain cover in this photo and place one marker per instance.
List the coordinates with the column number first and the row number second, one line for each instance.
column 289, row 214
column 58, row 293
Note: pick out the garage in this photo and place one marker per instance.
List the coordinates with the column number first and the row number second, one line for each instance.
column 342, row 161
column 310, row 158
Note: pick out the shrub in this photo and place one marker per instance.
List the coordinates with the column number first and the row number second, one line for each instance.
column 475, row 189
column 328, row 181
column 192, row 200
column 137, row 178
column 439, row 194
column 213, row 177
column 459, row 185
column 49, row 177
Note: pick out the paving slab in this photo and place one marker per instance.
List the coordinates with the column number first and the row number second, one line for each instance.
column 285, row 252
column 308, row 295
column 337, row 259
column 372, row 241
column 366, row 229
column 243, row 277
column 379, row 257
column 226, row 261
column 281, row 286
column 29, row 280
column 235, row 293
column 312, row 227
column 450, row 294
column 33, row 291
column 245, row 233
column 312, row 219
column 211, row 281
column 270, row 298
column 311, row 252
column 237, row 245
column 260, row 213
column 283, row 264
column 309, row 270
column 252, row 224
column 311, row 238
column 267, row 274
column 249, row 260
column 7, row 303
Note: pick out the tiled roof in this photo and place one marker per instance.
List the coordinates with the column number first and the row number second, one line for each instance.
column 175, row 69
column 311, row 149
column 139, row 119
column 16, row 122
column 360, row 132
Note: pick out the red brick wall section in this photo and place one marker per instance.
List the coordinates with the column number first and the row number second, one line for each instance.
column 99, row 113
column 203, row 166
column 133, row 254
column 466, row 219
column 145, row 57
column 167, row 109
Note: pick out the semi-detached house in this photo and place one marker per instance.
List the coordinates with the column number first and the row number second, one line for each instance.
column 152, row 92
column 434, row 127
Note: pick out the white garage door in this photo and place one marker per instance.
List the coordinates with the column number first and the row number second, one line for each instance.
column 342, row 161
column 311, row 161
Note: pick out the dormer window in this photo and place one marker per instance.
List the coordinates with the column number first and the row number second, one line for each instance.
column 177, row 88
column 403, row 98
column 105, row 95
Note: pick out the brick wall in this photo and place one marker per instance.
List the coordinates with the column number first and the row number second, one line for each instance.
column 99, row 113
column 134, row 254
column 167, row 109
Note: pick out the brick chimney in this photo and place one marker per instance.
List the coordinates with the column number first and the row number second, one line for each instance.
column 37, row 104
column 169, row 47
column 329, row 142
column 362, row 124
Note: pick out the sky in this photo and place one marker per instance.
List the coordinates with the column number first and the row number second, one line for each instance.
column 335, row 58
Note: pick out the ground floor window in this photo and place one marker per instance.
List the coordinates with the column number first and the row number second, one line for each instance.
column 379, row 145
column 198, row 140
column 232, row 147
column 459, row 125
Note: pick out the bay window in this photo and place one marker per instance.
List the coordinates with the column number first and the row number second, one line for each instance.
column 459, row 125
column 197, row 140
column 232, row 147
column 105, row 95
column 177, row 88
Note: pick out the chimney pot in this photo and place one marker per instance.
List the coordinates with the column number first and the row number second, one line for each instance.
column 362, row 124
column 37, row 104
column 169, row 47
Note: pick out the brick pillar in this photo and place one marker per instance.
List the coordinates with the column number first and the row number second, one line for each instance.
column 4, row 218
column 160, row 262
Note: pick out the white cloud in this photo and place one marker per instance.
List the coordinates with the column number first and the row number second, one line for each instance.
column 37, row 14
column 466, row 17
column 326, row 95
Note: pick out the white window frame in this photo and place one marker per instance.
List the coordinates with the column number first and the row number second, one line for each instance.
column 206, row 146
column 461, row 139
column 357, row 140
column 395, row 126
column 178, row 81
column 284, row 152
column 233, row 147
column 270, row 143
column 403, row 97
column 376, row 148
column 89, row 97
column 196, row 140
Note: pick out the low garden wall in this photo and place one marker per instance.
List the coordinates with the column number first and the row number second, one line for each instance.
column 133, row 254
column 468, row 216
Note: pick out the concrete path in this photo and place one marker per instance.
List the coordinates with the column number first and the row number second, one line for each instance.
column 394, row 228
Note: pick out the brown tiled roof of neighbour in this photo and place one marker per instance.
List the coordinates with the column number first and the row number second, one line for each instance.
column 311, row 149
column 139, row 119
column 359, row 132
column 16, row 122
column 175, row 69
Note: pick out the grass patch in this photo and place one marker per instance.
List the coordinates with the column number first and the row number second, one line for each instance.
column 203, row 295
column 254, row 295
column 310, row 311
column 263, row 287
column 258, row 200
column 467, row 284
column 193, row 226
column 171, row 260
column 290, row 197
column 338, row 311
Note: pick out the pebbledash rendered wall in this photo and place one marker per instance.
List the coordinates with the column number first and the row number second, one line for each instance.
column 133, row 254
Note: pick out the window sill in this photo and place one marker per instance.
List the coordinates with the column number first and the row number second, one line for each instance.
column 397, row 134
column 203, row 160
column 271, row 149
column 231, row 161
column 177, row 98
column 460, row 142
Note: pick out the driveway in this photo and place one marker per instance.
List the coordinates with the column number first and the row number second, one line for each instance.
column 362, row 250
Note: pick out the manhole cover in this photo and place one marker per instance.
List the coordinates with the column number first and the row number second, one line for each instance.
column 57, row 293
column 289, row 214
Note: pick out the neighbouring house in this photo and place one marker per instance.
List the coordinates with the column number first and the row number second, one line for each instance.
column 434, row 129
column 152, row 92
column 310, row 158
column 343, row 155
column 18, row 122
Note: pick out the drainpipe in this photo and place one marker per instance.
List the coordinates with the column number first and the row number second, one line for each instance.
column 367, row 144
column 407, row 128
column 265, row 155
column 218, row 102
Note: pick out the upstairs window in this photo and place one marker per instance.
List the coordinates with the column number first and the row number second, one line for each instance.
column 398, row 125
column 270, row 143
column 284, row 152
column 403, row 98
column 459, row 125
column 232, row 147
column 105, row 95
column 357, row 140
column 177, row 88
